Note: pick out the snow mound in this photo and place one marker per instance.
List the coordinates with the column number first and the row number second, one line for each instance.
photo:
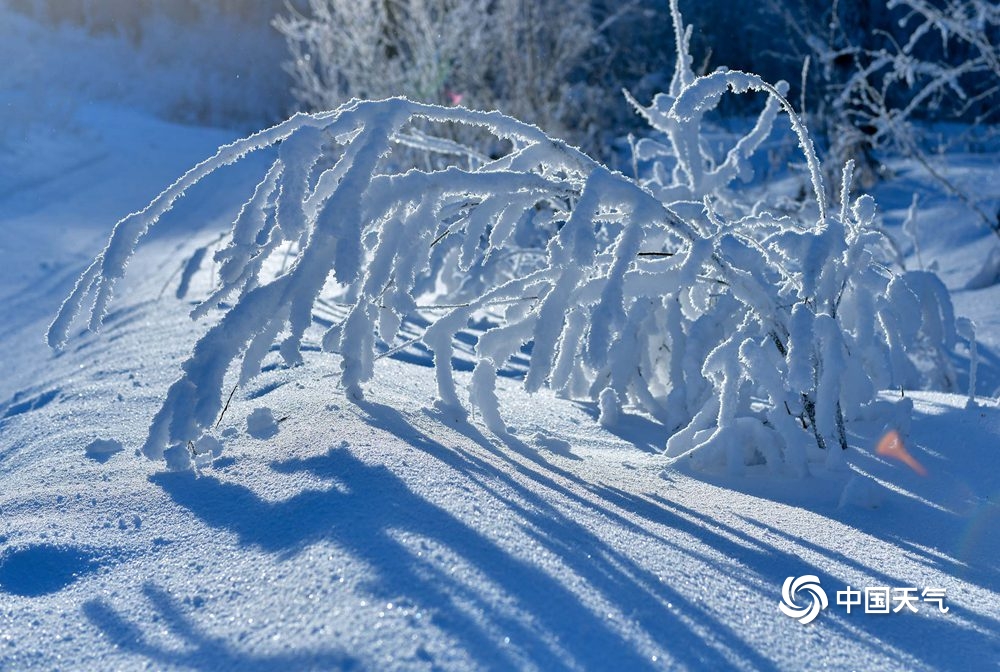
column 261, row 424
column 102, row 449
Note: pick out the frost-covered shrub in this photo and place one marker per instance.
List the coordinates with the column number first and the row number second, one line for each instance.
column 375, row 49
column 386, row 237
column 805, row 322
column 752, row 337
column 947, row 67
column 884, row 74
column 526, row 59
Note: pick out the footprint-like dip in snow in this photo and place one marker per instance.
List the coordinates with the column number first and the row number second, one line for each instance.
column 43, row 569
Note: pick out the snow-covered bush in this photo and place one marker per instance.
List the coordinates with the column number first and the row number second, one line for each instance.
column 373, row 49
column 752, row 337
column 948, row 66
column 835, row 326
column 522, row 58
column 934, row 60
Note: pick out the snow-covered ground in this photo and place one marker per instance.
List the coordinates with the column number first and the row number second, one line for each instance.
column 379, row 535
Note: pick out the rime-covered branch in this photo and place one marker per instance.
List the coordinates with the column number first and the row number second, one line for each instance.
column 752, row 337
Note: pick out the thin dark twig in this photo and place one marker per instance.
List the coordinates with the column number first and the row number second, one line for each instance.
column 500, row 302
column 226, row 407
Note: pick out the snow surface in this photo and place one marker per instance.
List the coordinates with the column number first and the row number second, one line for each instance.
column 381, row 534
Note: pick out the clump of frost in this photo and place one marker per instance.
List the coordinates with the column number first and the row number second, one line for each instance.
column 967, row 330
column 610, row 407
column 102, row 449
column 910, row 229
column 206, row 449
column 261, row 423
column 752, row 337
column 178, row 457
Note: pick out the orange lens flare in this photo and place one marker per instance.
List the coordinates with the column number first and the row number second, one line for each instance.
column 891, row 445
